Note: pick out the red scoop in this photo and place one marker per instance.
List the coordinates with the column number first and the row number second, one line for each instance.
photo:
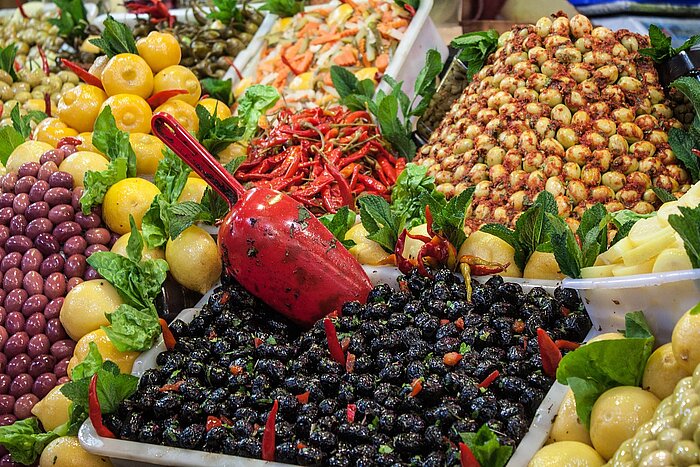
column 271, row 244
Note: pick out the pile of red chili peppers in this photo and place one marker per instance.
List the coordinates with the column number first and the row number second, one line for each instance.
column 323, row 158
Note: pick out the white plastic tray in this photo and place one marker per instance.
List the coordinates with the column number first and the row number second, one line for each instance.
column 31, row 8
column 130, row 453
column 663, row 297
column 409, row 56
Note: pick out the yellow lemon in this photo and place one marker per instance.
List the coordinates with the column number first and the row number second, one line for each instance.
column 131, row 113
column 149, row 151
column 127, row 74
column 80, row 106
column 213, row 105
column 52, row 130
column 86, row 306
column 67, row 452
column 119, row 248
column 193, row 191
column 29, row 151
column 80, row 162
column 129, row 196
column 124, row 360
column 86, row 142
column 160, row 50
column 178, row 77
column 183, row 112
column 194, row 259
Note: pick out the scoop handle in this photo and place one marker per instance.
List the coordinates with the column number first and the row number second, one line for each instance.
column 183, row 144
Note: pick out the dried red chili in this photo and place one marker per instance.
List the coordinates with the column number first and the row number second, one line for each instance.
column 86, row 76
column 162, row 97
column 168, row 337
column 94, row 410
column 466, row 456
column 268, row 440
column 333, row 344
column 563, row 344
column 489, row 379
column 550, row 353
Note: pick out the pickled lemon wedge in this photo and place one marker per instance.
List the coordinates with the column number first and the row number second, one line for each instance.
column 340, row 14
column 367, row 73
column 302, row 82
column 282, row 24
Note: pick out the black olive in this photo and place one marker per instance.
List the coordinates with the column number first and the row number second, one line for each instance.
column 446, row 345
column 441, row 291
column 410, row 423
column 286, row 452
column 434, row 436
column 325, row 440
column 413, row 308
column 213, row 438
column 194, row 368
column 531, row 399
column 379, row 294
column 508, row 408
column 447, row 330
column 516, row 353
column 249, row 447
column 151, row 377
column 539, row 380
column 346, row 394
column 351, row 308
column 516, row 427
column 409, row 443
column 398, row 300
column 435, row 459
column 274, row 369
column 393, row 372
column 191, row 410
column 418, row 350
column 354, row 433
column 484, row 407
column 568, row 298
column 458, row 309
column 338, row 460
column 171, row 432
column 167, row 405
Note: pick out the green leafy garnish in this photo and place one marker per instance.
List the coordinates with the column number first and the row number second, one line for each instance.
column 72, row 20
column 661, row 48
column 9, row 140
column 412, row 3
column 283, row 8
column 226, row 11
column 624, row 219
column 407, row 193
column 216, row 134
column 684, row 142
column 7, row 60
column 663, row 195
column 256, row 100
column 475, row 48
column 532, row 229
column 22, row 123
column 687, row 224
column 598, row 366
column 114, row 143
column 448, row 216
column 339, row 224
column 486, row 448
column 25, row 440
column 220, row 89
column 379, row 220
column 393, row 111
column 116, row 38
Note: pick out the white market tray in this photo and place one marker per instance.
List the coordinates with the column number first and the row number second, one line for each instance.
column 32, row 8
column 130, row 453
column 420, row 36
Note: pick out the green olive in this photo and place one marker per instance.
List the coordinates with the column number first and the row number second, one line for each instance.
column 5, row 77
column 22, row 97
column 37, row 94
column 66, row 86
column 21, row 87
column 6, row 92
column 234, row 47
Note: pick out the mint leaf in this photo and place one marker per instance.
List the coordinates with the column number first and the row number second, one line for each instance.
column 226, row 11
column 663, row 195
column 155, row 224
column 565, row 248
column 134, row 246
column 687, row 224
column 283, row 8
column 7, row 60
column 450, row 220
column 406, row 194
column 475, row 48
column 339, row 224
column 72, row 20
column 216, row 134
column 219, row 89
column 636, row 325
column 486, row 448
column 22, row 123
column 660, row 49
column 171, row 176
column 184, row 215
column 116, row 39
column 391, row 128
column 379, row 220
column 9, row 140
column 682, row 144
column 97, row 183
column 426, row 82
column 256, row 100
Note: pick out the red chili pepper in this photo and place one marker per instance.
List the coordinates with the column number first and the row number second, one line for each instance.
column 94, row 410
column 162, row 97
column 44, row 62
column 459, row 323
column 489, row 379
column 388, row 169
column 357, row 115
column 550, row 353
column 416, row 387
column 168, row 337
column 400, row 166
column 20, row 7
column 257, row 342
column 268, row 440
column 303, row 398
column 566, row 345
column 353, row 178
column 372, row 183
column 47, row 104
column 350, row 411
column 466, row 456
column 343, row 185
column 350, row 363
column 89, row 78
column 333, row 344
column 213, row 422
column 16, row 65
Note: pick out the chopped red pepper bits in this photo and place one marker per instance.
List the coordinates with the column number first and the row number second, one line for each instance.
column 303, row 398
column 350, row 411
column 171, row 387
column 416, row 387
column 213, row 422
column 566, row 345
column 333, row 345
column 350, row 363
column 489, row 379
column 268, row 440
column 236, row 370
column 452, row 358
column 168, row 337
column 550, row 353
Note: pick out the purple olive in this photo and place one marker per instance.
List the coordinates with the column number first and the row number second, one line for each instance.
column 39, row 344
column 94, row 249
column 18, row 224
column 7, row 404
column 66, row 230
column 20, row 243
column 91, row 274
column 37, row 192
column 3, row 315
column 89, row 221
column 53, row 263
column 39, row 226
column 4, row 235
column 61, row 213
column 63, row 380
column 54, row 285
column 37, row 210
column 55, row 331
column 5, row 215
column 41, row 364
column 61, row 368
column 35, row 304
column 5, row 382
column 4, row 335
column 21, row 385
column 53, row 309
column 25, row 403
column 14, row 301
column 75, row 199
column 46, row 243
column 28, row 169
column 6, row 460
column 3, row 362
column 14, row 322
column 18, row 364
column 10, row 261
column 20, row 203
column 16, row 344
column 61, row 179
column 6, row 200
column 59, row 195
column 33, row 283
column 63, row 349
column 24, row 184
column 31, row 261
column 75, row 266
column 75, row 245
column 13, row 277
column 44, row 384
column 54, row 155
column 35, row 325
column 73, row 282
column 46, row 169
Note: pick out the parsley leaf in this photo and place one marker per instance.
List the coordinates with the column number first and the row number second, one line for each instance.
column 226, row 11
column 283, row 8
column 256, row 100
column 486, row 448
column 406, row 194
column 220, row 89
column 339, row 223
column 7, row 60
column 116, row 38
column 475, row 48
column 72, row 20
column 687, row 224
column 25, row 440
column 114, row 143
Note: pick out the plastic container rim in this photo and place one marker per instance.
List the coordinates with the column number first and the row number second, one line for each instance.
column 632, row 282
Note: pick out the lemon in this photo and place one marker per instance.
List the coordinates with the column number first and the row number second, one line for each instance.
column 86, row 142
column 52, row 130
column 128, row 74
column 244, row 84
column 183, row 112
column 178, row 77
column 124, row 360
column 160, row 50
column 340, row 14
column 302, row 82
column 29, row 151
column 367, row 73
column 40, row 105
column 213, row 105
column 86, row 306
column 52, row 410
column 129, row 196
column 232, row 151
column 67, row 452
column 193, row 191
column 149, row 151
column 119, row 248
column 194, row 259
column 88, row 47
column 131, row 113
column 80, row 106
column 80, row 162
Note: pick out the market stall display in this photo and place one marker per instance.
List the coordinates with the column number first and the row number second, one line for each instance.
column 564, row 166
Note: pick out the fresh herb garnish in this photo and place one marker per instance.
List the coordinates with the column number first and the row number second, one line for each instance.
column 22, row 123
column 220, row 89
column 133, row 325
column 25, row 441
column 486, row 448
column 475, row 48
column 687, row 224
column 663, row 195
column 72, row 19
column 684, row 142
column 407, row 194
column 216, row 134
column 393, row 111
column 624, row 220
column 7, row 60
column 226, row 11
column 661, row 48
column 380, row 222
column 532, row 229
column 339, row 224
column 256, row 100
column 598, row 366
column 114, row 143
column 448, row 216
column 283, row 8
column 116, row 39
